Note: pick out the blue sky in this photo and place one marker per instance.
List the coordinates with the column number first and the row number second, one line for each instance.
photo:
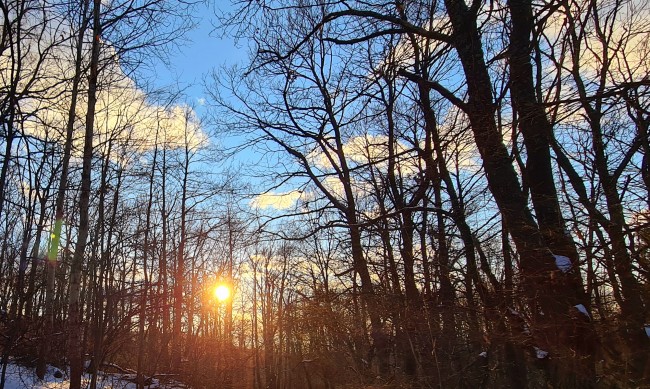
column 203, row 51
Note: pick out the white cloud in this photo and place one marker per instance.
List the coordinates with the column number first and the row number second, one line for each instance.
column 625, row 28
column 124, row 112
column 363, row 149
column 277, row 200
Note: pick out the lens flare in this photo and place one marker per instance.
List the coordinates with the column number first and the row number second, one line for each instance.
column 222, row 292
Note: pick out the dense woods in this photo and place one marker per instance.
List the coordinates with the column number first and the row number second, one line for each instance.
column 427, row 194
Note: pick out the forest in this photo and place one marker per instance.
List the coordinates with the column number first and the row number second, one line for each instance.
column 381, row 194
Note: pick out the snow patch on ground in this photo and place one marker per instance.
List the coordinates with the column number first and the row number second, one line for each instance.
column 582, row 310
column 19, row 377
column 563, row 263
column 540, row 354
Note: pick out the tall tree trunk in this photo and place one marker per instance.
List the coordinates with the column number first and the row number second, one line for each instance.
column 15, row 53
column 179, row 276
column 145, row 253
column 633, row 309
column 228, row 325
column 447, row 294
column 538, row 174
column 75, row 345
column 51, row 263
column 96, row 280
column 164, row 297
column 515, row 364
column 35, row 253
column 14, row 316
column 545, row 287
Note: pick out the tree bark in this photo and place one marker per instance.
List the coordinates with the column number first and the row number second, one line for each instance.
column 51, row 263
column 544, row 285
column 75, row 327
column 538, row 174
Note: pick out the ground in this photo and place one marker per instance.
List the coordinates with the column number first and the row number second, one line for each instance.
column 19, row 377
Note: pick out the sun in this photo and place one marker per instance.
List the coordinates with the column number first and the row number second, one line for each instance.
column 222, row 292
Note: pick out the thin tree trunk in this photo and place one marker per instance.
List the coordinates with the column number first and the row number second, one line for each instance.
column 179, row 277
column 163, row 262
column 75, row 346
column 96, row 280
column 143, row 300
column 31, row 284
column 51, row 263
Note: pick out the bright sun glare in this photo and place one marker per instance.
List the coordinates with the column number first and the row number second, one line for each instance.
column 222, row 292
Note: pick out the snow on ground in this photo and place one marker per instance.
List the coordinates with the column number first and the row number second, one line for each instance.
column 19, row 377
